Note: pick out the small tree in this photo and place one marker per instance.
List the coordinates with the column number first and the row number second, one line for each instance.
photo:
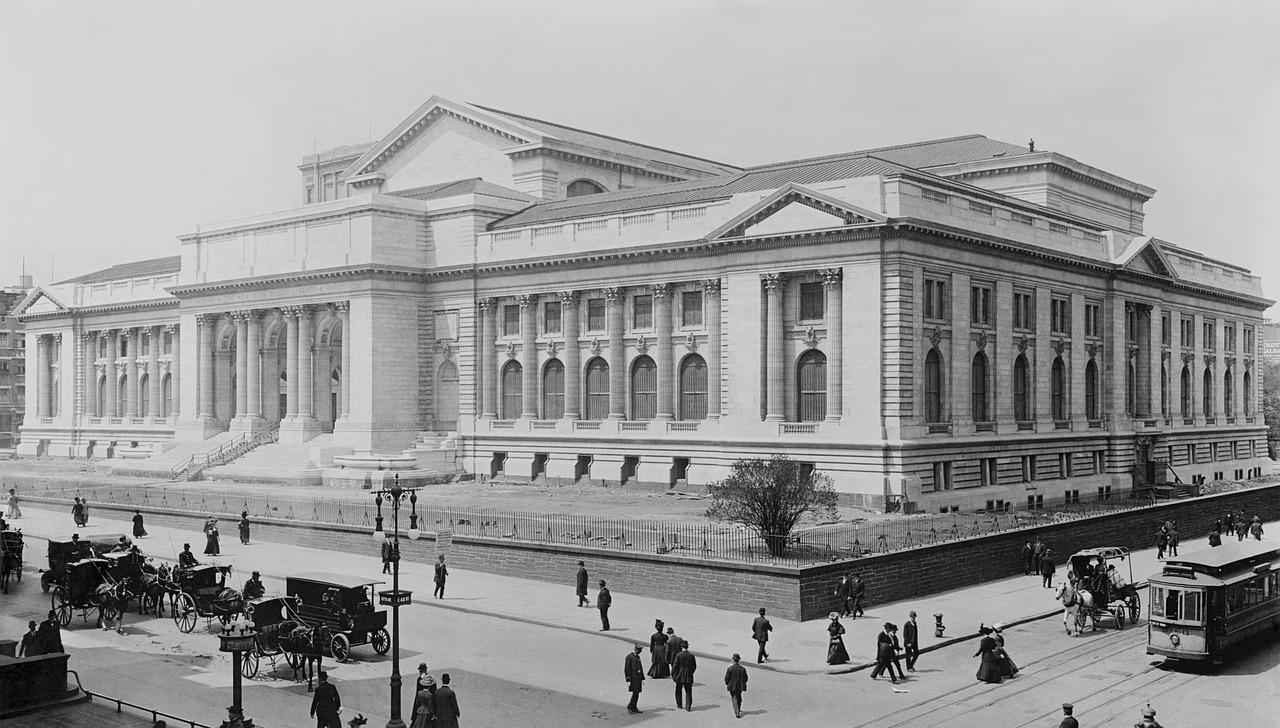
column 771, row 496
column 1271, row 404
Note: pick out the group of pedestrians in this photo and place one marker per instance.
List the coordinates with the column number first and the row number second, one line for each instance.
column 1038, row 559
column 996, row 664
column 669, row 657
column 1240, row 525
column 434, row 706
column 1167, row 539
column 42, row 639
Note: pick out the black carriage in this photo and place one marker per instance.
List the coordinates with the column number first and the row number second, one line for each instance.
column 345, row 606
column 202, row 591
column 1091, row 569
column 86, row 587
column 278, row 632
column 66, row 552
column 10, row 558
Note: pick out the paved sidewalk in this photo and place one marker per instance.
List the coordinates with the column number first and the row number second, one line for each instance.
column 714, row 633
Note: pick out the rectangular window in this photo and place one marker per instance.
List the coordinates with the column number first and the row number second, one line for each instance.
column 980, row 207
column 691, row 308
column 1092, row 319
column 1024, row 311
column 1165, row 330
column 1071, row 497
column 1059, row 228
column 935, row 196
column 551, row 323
column 987, row 466
column 1248, row 341
column 1131, row 324
column 1060, row 316
column 1024, row 219
column 595, row 314
column 1028, row 468
column 980, row 306
column 642, row 312
column 1187, row 332
column 1065, row 466
column 1209, row 340
column 812, row 303
column 510, row 320
column 1229, row 337
column 935, row 299
column 942, row 476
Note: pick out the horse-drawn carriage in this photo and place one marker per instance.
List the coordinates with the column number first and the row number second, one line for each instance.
column 1096, row 589
column 345, row 606
column 86, row 586
column 62, row 553
column 280, row 632
column 10, row 558
column 202, row 591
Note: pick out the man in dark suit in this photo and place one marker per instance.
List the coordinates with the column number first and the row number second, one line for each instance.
column 186, row 559
column 582, row 585
column 682, row 674
column 604, row 600
column 50, row 635
column 1068, row 720
column 1047, row 568
column 897, row 648
column 388, row 554
column 1037, row 553
column 633, row 671
column 884, row 654
column 760, row 630
column 735, row 679
column 442, row 573
column 859, row 590
column 1028, row 559
column 844, row 593
column 673, row 646
column 325, row 704
column 911, row 641
column 30, row 646
column 445, row 703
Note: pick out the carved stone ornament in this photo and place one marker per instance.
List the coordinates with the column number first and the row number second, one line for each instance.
column 595, row 346
column 661, row 291
column 1093, row 349
column 981, row 341
column 527, row 300
column 691, row 341
column 811, row 338
column 1023, row 343
column 643, row 346
column 166, row 366
column 831, row 276
column 1164, row 355
column 1133, row 351
column 487, row 305
column 1210, row 358
column 568, row 299
column 1248, row 364
column 935, row 337
column 100, row 366
column 773, row 282
column 1058, row 346
column 711, row 286
column 342, row 308
column 446, row 350
column 552, row 348
column 613, row 296
column 1188, row 357
column 511, row 350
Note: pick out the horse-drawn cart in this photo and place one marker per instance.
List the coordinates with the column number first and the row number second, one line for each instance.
column 344, row 605
column 85, row 586
column 10, row 558
column 1096, row 589
column 203, row 592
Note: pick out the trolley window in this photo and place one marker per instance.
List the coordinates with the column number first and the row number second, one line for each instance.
column 1253, row 592
column 1177, row 604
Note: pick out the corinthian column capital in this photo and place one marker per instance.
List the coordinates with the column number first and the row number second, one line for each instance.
column 773, row 282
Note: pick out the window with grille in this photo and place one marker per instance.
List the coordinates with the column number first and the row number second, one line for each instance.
column 693, row 388
column 1229, row 337
column 644, row 389
column 942, row 476
column 988, row 470
column 1021, row 389
column 551, row 323
column 1091, row 390
column 1058, row 386
column 980, row 306
column 1164, row 390
column 553, row 390
column 1060, row 316
column 1131, row 324
column 935, row 299
column 933, row 387
column 595, row 314
column 510, row 320
column 512, row 381
column 1248, row 394
column 978, row 377
column 1024, row 311
column 691, row 308
column 642, row 312
column 597, row 389
column 1228, row 395
column 1187, row 333
column 1248, row 341
column 811, row 378
column 812, row 302
column 1208, row 392
column 1185, row 399
column 1209, row 340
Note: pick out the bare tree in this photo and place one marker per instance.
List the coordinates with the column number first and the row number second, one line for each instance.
column 771, row 496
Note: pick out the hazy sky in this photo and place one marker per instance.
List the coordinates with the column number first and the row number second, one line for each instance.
column 125, row 124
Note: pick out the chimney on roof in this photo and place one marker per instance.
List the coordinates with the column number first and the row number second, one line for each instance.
column 1032, row 145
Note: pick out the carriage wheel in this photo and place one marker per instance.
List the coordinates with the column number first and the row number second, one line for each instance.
column 1119, row 615
column 184, row 612
column 381, row 641
column 61, row 606
column 294, row 659
column 108, row 612
column 1135, row 607
column 249, row 663
column 340, row 647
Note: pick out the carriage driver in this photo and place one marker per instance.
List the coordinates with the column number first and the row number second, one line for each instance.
column 253, row 588
column 186, row 559
column 1117, row 580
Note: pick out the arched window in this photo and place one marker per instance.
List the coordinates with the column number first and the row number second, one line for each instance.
column 1248, row 394
column 144, row 393
column 693, row 388
column 581, row 187
column 1091, row 391
column 122, row 396
column 102, row 397
column 553, row 390
column 166, row 395
column 811, row 378
column 597, row 389
column 1130, row 382
column 55, row 401
column 1228, row 395
column 1185, row 399
column 978, row 375
column 512, row 381
column 933, row 386
column 1058, row 389
column 1021, row 389
column 1207, row 397
column 644, row 389
column 1164, row 390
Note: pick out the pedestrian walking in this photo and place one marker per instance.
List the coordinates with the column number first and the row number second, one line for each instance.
column 673, row 648
column 1215, row 538
column 442, row 573
column 686, row 665
column 836, row 653
column 1173, row 539
column 213, row 547
column 1068, row 720
column 859, row 591
column 244, row 528
column 1007, row 666
column 884, row 653
column 604, row 600
column 77, row 513
column 1047, row 568
column 989, row 668
column 1162, row 542
column 388, row 553
column 735, row 679
column 1037, row 553
column 583, row 601
column 1242, row 527
column 659, row 665
column 30, row 645
column 845, row 593
column 1028, row 559
column 1228, row 523
column 1255, row 528
column 424, row 702
column 633, row 673
column 897, row 650
column 50, row 635
column 424, row 677
column 14, row 510
column 445, row 704
column 911, row 641
column 760, row 629
column 326, row 704
column 138, row 530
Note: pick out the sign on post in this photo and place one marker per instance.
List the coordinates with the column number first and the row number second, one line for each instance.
column 444, row 541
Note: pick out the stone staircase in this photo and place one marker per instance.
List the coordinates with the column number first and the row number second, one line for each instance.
column 163, row 464
column 436, row 451
column 292, row 464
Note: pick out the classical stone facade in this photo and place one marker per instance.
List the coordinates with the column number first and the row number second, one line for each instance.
column 953, row 323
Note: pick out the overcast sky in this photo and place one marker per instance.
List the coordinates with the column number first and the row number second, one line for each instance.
column 125, row 124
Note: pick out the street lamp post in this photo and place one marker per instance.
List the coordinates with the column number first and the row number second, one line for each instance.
column 395, row 598
column 237, row 636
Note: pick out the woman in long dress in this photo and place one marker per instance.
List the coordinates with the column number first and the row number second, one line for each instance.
column 211, row 537
column 1007, row 667
column 138, row 530
column 244, row 528
column 836, row 653
column 660, row 667
column 77, row 513
column 15, row 511
column 424, row 707
column 989, row 669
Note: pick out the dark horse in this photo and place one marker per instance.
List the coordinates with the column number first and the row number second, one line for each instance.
column 10, row 558
column 112, row 600
column 151, row 586
column 308, row 644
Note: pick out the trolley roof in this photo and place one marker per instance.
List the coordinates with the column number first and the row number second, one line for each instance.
column 342, row 581
column 1228, row 556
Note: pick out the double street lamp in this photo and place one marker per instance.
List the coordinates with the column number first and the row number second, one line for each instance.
column 237, row 636
column 395, row 597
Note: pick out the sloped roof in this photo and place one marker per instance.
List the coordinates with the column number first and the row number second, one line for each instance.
column 471, row 186
column 613, row 144
column 136, row 269
column 926, row 154
column 700, row 190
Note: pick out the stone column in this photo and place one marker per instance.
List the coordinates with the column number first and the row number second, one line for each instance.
column 529, row 356
column 617, row 353
column 131, row 339
column 153, row 372
column 306, row 366
column 711, row 310
column 204, row 350
column 44, row 380
column 831, row 281
column 89, row 342
column 290, row 315
column 344, row 314
column 175, row 371
column 666, row 359
column 486, row 367
column 572, row 356
column 776, row 376
column 111, row 375
column 1142, row 364
column 241, row 321
column 253, row 370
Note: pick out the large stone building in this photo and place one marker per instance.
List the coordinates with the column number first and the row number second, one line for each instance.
column 13, row 363
column 953, row 323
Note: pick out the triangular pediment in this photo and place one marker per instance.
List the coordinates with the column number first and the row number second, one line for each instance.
column 795, row 208
column 39, row 300
column 1144, row 255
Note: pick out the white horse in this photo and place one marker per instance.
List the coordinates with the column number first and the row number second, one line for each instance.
column 1072, row 600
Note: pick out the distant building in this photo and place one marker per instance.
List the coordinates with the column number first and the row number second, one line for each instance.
column 13, row 362
column 1271, row 342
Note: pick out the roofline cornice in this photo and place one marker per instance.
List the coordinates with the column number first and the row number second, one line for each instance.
column 193, row 290
column 1055, row 165
column 77, row 311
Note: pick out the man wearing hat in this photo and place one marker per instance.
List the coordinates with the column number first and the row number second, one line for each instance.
column 682, row 675
column 1068, row 720
column 911, row 641
column 253, row 588
column 1255, row 528
column 583, row 601
column 633, row 671
column 760, row 629
column 735, row 679
column 186, row 559
column 884, row 653
column 325, row 704
column 603, row 601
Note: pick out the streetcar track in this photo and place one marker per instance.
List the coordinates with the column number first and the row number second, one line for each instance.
column 1166, row 676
